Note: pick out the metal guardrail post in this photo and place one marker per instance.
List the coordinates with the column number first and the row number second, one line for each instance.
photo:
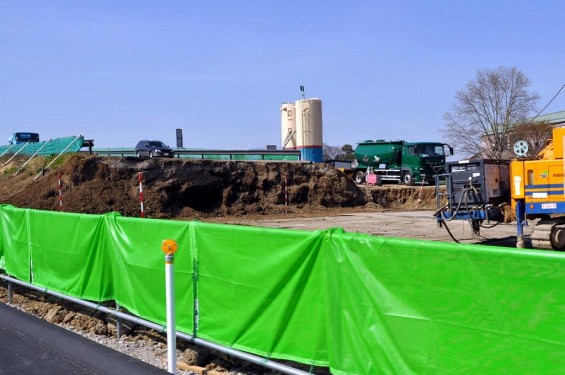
column 10, row 292
column 251, row 358
column 119, row 330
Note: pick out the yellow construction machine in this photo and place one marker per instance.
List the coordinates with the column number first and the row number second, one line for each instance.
column 480, row 190
column 538, row 192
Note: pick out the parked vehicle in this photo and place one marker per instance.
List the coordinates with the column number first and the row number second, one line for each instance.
column 399, row 161
column 153, row 149
column 23, row 137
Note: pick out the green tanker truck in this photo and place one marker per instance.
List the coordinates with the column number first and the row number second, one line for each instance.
column 399, row 161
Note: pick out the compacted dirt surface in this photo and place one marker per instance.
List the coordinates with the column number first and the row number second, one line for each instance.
column 278, row 194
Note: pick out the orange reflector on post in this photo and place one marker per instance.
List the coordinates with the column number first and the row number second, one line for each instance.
column 169, row 246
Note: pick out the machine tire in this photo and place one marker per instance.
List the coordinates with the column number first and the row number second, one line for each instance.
column 407, row 179
column 557, row 238
column 359, row 177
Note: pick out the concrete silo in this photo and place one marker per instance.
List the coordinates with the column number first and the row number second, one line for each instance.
column 301, row 128
column 288, row 126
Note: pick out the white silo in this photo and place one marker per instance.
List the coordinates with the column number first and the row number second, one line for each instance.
column 309, row 136
column 288, row 126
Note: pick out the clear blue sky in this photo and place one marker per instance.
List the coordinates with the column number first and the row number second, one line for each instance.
column 119, row 71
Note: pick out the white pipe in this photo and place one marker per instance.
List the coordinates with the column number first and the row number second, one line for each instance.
column 5, row 152
column 32, row 156
column 171, row 325
column 57, row 157
column 17, row 152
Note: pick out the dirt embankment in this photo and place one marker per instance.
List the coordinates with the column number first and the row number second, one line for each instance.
column 189, row 189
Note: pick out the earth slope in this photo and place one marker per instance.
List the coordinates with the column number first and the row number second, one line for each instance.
column 189, row 189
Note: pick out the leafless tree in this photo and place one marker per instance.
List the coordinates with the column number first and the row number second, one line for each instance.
column 345, row 152
column 331, row 152
column 486, row 111
column 348, row 152
column 536, row 135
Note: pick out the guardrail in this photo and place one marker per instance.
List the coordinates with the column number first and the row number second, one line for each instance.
column 287, row 155
column 115, row 312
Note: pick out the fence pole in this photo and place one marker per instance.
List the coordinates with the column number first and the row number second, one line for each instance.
column 140, row 178
column 169, row 247
column 419, row 200
column 10, row 292
column 60, row 191
column 285, row 187
column 118, row 323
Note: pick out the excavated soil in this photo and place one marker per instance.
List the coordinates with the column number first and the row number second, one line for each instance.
column 184, row 189
column 197, row 189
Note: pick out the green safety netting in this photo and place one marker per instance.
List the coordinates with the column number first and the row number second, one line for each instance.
column 45, row 148
column 359, row 304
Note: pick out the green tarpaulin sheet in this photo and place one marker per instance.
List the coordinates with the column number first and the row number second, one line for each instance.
column 356, row 303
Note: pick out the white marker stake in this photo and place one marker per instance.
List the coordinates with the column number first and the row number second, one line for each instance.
column 169, row 247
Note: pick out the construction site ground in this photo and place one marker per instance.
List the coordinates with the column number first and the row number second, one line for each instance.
column 416, row 224
column 274, row 194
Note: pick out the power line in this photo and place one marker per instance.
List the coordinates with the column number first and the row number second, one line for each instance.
column 547, row 105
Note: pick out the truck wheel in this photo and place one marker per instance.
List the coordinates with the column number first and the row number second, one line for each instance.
column 359, row 177
column 407, row 179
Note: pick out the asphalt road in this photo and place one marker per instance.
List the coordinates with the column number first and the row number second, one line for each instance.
column 29, row 345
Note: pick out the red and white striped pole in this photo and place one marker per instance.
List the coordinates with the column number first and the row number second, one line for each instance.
column 60, row 191
column 140, row 178
column 285, row 193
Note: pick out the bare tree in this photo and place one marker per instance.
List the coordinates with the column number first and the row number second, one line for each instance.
column 536, row 135
column 331, row 152
column 486, row 111
column 348, row 152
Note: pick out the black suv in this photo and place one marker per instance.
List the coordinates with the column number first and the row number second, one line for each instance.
column 153, row 149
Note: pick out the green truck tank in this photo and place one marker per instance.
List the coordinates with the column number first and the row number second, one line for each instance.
column 399, row 161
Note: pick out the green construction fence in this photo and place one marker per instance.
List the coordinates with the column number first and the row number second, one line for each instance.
column 45, row 148
column 356, row 303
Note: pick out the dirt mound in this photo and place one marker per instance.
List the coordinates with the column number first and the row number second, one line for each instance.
column 189, row 189
column 397, row 197
column 179, row 188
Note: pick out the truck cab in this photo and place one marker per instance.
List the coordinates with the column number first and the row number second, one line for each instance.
column 422, row 161
column 23, row 137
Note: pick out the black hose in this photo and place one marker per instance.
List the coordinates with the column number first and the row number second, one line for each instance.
column 490, row 226
column 450, row 234
column 463, row 194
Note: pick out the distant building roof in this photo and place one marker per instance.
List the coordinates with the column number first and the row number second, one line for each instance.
column 555, row 118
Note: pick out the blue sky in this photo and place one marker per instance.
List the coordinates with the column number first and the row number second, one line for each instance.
column 120, row 71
